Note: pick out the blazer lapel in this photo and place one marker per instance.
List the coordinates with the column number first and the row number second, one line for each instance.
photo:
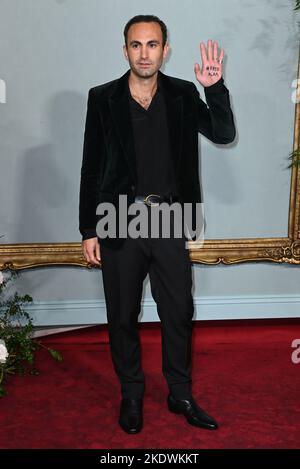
column 173, row 100
column 119, row 107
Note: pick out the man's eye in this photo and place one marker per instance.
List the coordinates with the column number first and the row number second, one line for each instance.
column 153, row 45
column 134, row 46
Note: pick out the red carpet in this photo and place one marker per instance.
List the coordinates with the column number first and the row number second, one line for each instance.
column 242, row 375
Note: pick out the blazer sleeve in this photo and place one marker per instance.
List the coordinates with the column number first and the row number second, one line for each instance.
column 90, row 170
column 215, row 119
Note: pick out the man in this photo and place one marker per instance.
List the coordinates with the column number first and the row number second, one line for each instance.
column 141, row 140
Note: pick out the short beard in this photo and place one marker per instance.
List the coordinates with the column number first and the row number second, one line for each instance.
column 147, row 74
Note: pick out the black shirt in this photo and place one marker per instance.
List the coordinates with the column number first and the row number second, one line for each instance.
column 155, row 174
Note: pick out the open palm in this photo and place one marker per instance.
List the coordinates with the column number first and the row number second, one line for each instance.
column 211, row 64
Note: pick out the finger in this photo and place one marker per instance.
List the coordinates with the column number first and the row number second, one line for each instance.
column 197, row 71
column 203, row 53
column 90, row 256
column 209, row 48
column 84, row 254
column 221, row 56
column 94, row 261
column 98, row 255
column 215, row 50
column 87, row 258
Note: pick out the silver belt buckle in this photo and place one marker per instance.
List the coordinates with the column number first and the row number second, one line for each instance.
column 146, row 200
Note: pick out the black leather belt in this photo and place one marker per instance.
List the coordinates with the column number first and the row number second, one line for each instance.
column 155, row 199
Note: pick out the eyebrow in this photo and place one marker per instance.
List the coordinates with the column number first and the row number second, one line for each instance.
column 148, row 42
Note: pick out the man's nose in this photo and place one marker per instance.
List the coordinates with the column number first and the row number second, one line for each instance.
column 144, row 52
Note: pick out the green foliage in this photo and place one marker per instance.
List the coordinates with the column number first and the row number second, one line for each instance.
column 16, row 330
column 294, row 157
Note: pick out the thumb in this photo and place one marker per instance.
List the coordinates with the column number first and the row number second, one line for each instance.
column 197, row 71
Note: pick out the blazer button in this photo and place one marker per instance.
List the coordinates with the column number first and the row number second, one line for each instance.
column 132, row 187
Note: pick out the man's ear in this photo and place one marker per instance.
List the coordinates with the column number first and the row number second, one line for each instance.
column 125, row 51
column 166, row 50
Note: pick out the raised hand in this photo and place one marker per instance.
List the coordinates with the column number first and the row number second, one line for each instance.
column 211, row 64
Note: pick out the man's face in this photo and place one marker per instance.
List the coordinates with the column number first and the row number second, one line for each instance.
column 145, row 51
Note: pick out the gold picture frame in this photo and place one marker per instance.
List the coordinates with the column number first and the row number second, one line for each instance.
column 212, row 252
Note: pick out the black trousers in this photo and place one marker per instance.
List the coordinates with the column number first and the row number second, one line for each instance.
column 124, row 270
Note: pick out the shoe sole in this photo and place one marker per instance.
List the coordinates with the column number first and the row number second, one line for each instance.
column 130, row 431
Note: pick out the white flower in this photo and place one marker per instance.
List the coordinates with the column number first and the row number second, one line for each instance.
column 3, row 352
column 1, row 277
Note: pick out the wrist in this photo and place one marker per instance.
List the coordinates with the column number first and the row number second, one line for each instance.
column 215, row 87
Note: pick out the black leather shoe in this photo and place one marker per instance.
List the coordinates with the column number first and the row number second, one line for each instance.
column 193, row 414
column 131, row 415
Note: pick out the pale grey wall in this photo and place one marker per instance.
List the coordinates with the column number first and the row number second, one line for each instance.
column 52, row 52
